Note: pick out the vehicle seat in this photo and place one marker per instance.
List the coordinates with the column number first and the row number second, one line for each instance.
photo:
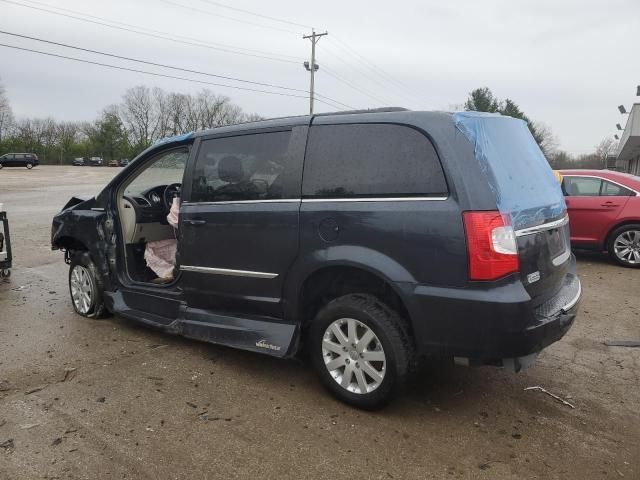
column 237, row 187
column 230, row 169
column 572, row 189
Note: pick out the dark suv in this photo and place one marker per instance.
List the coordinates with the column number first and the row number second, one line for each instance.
column 28, row 160
column 368, row 239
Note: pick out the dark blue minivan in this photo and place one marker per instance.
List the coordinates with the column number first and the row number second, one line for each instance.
column 368, row 239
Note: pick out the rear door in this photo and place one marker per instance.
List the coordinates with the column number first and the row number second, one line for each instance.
column 239, row 220
column 527, row 193
column 593, row 205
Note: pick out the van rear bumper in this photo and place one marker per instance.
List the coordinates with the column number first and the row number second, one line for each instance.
column 490, row 325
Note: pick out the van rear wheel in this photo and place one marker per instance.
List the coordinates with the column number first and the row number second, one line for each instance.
column 29, row 166
column 360, row 349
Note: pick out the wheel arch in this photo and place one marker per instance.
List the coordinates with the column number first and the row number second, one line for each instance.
column 328, row 282
column 608, row 236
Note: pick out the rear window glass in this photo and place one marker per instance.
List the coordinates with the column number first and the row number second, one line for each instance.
column 515, row 167
column 371, row 160
column 613, row 190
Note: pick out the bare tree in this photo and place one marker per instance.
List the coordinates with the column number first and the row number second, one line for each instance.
column 140, row 116
column 548, row 142
column 6, row 115
column 606, row 147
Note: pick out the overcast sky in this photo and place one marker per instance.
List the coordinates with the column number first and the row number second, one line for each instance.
column 567, row 63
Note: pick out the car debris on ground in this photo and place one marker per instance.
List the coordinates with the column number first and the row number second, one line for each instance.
column 543, row 390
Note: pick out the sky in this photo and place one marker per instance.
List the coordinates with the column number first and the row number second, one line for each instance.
column 567, row 63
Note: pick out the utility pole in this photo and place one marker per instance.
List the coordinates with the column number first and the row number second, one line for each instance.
column 313, row 67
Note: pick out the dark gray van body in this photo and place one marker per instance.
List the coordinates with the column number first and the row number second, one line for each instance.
column 253, row 273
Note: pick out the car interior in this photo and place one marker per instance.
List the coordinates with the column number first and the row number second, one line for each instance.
column 144, row 201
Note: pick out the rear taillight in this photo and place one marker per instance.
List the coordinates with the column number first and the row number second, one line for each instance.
column 491, row 245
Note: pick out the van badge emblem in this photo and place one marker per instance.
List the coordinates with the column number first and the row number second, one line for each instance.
column 533, row 277
column 263, row 344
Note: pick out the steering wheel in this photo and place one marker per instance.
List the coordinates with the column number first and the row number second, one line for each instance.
column 170, row 192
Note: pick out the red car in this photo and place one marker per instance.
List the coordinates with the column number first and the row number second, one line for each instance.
column 604, row 212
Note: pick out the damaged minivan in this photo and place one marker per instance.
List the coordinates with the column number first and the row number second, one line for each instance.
column 366, row 239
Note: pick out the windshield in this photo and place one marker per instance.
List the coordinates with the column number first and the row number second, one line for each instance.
column 517, row 171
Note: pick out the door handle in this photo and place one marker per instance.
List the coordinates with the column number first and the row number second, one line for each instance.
column 196, row 222
column 609, row 204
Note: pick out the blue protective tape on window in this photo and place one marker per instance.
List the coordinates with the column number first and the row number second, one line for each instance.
column 174, row 139
column 515, row 167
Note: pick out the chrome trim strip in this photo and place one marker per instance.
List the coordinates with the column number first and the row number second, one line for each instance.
column 560, row 259
column 374, row 199
column 544, row 227
column 227, row 271
column 575, row 299
column 326, row 200
column 231, row 202
column 600, row 178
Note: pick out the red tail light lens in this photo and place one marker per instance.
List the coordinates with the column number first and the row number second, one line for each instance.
column 491, row 245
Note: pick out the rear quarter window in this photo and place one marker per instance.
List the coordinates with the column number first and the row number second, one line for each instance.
column 368, row 160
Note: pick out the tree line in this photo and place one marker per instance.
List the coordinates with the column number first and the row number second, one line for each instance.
column 145, row 115
column 483, row 100
column 121, row 131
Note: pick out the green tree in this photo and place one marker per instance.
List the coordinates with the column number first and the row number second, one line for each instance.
column 108, row 136
column 482, row 100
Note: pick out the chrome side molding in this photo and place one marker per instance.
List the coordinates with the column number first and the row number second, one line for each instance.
column 544, row 227
column 227, row 271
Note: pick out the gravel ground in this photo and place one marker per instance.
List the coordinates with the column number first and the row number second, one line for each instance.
column 93, row 399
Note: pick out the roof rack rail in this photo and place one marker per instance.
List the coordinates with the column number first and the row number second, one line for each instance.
column 364, row 110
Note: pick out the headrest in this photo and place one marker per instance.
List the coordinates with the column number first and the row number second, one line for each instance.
column 230, row 169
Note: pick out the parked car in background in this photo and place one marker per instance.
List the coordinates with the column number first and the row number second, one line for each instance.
column 95, row 162
column 124, row 162
column 79, row 162
column 28, row 160
column 604, row 212
column 114, row 163
column 368, row 239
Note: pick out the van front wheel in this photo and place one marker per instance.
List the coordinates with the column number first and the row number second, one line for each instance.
column 85, row 287
column 360, row 350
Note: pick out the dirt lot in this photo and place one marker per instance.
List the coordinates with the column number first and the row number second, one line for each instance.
column 106, row 399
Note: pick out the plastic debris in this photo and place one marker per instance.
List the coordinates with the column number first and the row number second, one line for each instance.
column 622, row 343
column 543, row 390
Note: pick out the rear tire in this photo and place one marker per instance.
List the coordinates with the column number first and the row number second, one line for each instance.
column 1, row 165
column 85, row 287
column 624, row 245
column 360, row 349
column 29, row 166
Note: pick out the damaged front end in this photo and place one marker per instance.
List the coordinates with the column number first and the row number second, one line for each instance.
column 84, row 225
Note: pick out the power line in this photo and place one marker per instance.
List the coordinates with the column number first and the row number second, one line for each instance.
column 159, row 35
column 207, row 12
column 349, row 84
column 360, row 73
column 168, row 76
column 255, row 14
column 376, row 70
column 151, row 73
column 333, row 100
column 152, row 63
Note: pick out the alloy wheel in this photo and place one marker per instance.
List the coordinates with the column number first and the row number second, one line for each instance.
column 627, row 247
column 81, row 289
column 353, row 356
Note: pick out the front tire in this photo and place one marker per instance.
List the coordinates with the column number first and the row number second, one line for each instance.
column 360, row 349
column 624, row 245
column 85, row 287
